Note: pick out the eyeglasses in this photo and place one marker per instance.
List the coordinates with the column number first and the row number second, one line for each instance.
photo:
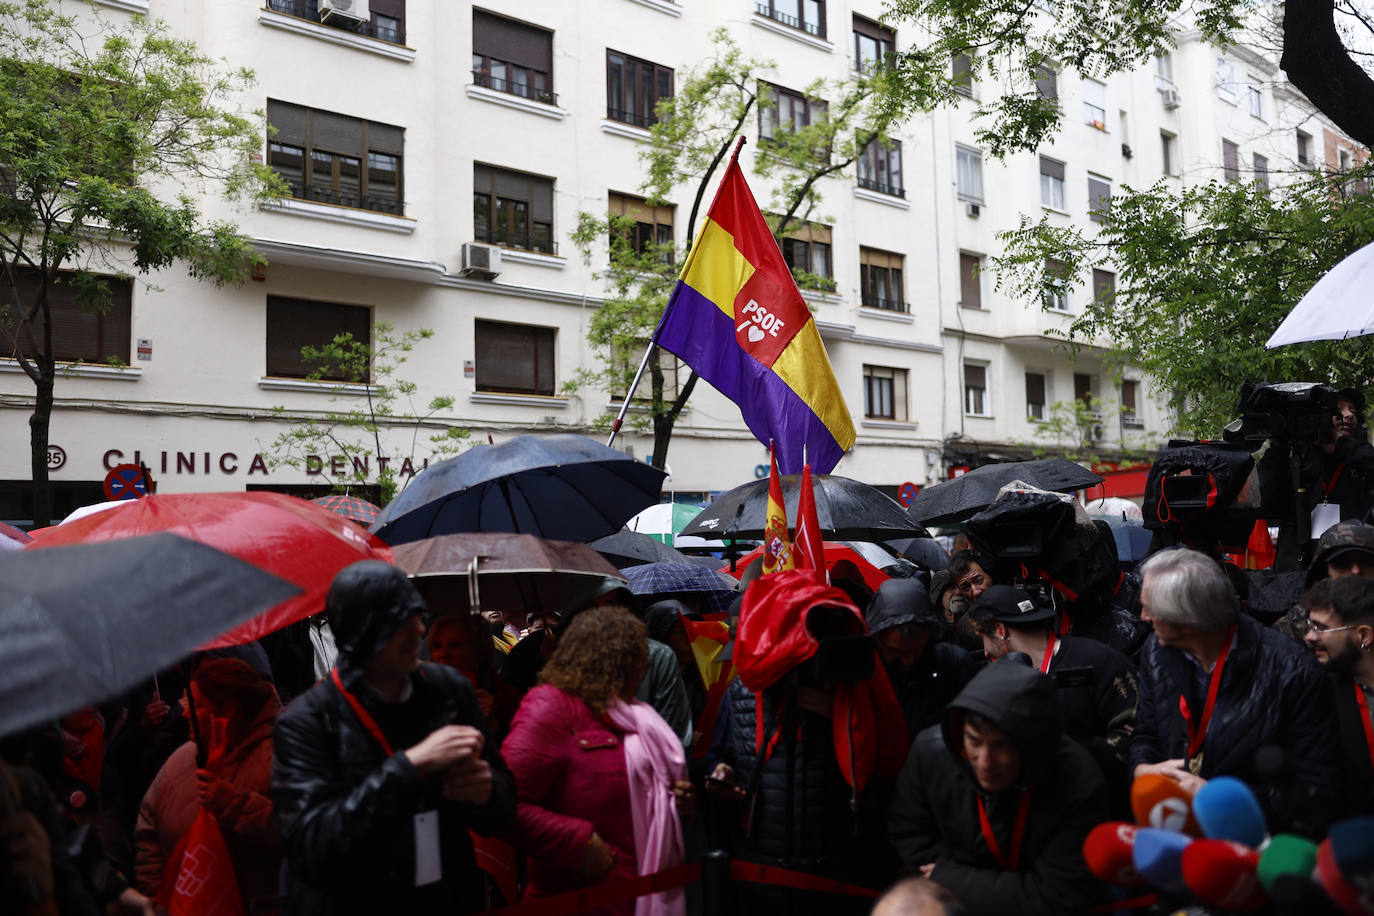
column 1311, row 626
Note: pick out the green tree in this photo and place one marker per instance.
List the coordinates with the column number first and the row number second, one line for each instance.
column 695, row 131
column 1079, row 431
column 359, row 431
column 1203, row 277
column 98, row 125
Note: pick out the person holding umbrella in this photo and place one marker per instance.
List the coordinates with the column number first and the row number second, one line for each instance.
column 382, row 768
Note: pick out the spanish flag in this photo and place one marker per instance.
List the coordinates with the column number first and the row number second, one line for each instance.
column 738, row 319
column 777, row 549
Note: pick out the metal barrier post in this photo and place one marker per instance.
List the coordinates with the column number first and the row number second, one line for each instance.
column 717, row 892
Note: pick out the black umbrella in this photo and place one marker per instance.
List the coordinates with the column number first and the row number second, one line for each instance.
column 85, row 623
column 561, row 487
column 847, row 510
column 634, row 548
column 958, row 500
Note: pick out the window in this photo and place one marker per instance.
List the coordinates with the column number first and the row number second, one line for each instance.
column 880, row 280
column 634, row 88
column 512, row 209
column 653, row 226
column 970, row 281
column 1095, row 103
column 1104, row 285
column 1130, row 410
column 1304, row 149
column 514, row 358
column 1168, row 147
column 873, row 45
column 1261, row 171
column 884, row 393
column 1056, row 285
column 961, row 74
column 969, row 164
column 789, row 111
column 806, row 15
column 669, row 364
column 880, row 167
column 976, row 390
column 1083, row 387
column 1051, row 184
column 296, row 323
column 1230, row 160
column 334, row 159
column 806, row 249
column 387, row 22
column 80, row 333
column 1099, row 199
column 1226, row 81
column 1164, row 67
column 1256, row 102
column 1046, row 82
column 1035, row 396
column 513, row 57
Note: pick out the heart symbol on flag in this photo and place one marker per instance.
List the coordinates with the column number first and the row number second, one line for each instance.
column 755, row 335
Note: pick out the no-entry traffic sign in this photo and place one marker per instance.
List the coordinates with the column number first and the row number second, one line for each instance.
column 126, row 481
column 907, row 492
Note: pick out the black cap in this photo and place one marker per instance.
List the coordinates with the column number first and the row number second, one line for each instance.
column 1009, row 605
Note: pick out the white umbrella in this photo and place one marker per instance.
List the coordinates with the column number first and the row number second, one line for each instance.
column 1340, row 305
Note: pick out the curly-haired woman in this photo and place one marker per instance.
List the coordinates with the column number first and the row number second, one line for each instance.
column 600, row 776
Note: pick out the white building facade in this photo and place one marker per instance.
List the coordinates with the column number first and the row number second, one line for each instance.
column 434, row 139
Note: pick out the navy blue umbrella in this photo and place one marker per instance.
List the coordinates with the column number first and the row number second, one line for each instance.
column 560, row 487
column 712, row 591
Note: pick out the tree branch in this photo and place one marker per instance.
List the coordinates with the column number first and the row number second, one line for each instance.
column 1319, row 65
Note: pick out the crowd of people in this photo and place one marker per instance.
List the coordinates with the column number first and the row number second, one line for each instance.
column 954, row 739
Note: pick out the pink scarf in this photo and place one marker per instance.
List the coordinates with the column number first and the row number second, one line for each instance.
column 654, row 760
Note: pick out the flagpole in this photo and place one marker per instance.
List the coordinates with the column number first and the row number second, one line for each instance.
column 653, row 344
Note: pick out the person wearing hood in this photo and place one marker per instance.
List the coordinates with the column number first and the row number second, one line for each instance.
column 995, row 803
column 926, row 672
column 383, row 767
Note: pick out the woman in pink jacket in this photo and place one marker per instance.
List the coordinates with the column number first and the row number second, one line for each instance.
column 600, row 777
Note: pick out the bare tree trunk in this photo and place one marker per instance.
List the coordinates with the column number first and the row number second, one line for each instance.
column 39, row 424
column 664, row 422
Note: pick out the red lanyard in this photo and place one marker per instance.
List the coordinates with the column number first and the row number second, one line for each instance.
column 1049, row 654
column 363, row 715
column 1328, row 484
column 1196, row 733
column 1018, row 832
column 1361, row 702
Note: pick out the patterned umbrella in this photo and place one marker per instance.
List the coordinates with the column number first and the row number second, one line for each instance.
column 350, row 507
column 712, row 591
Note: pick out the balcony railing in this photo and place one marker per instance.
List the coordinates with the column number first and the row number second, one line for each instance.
column 764, row 8
column 630, row 117
column 887, row 305
column 872, row 184
column 324, row 195
column 523, row 90
column 384, row 29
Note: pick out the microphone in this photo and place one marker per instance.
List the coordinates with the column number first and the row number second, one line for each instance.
column 1222, row 873
column 1345, row 866
column 1160, row 802
column 1227, row 810
column 1157, row 855
column 1108, row 852
column 1286, row 855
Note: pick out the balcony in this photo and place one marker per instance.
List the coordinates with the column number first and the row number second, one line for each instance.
column 523, row 90
column 765, row 8
column 382, row 28
column 321, row 194
column 630, row 117
column 873, row 184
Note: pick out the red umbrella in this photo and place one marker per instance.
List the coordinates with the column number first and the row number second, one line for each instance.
column 350, row 507
column 288, row 537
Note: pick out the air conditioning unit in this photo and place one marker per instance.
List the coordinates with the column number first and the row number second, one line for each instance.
column 481, row 261
column 1171, row 98
column 1095, row 434
column 346, row 10
column 973, row 210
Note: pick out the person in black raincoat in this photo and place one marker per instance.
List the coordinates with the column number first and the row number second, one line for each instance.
column 995, row 803
column 382, row 768
column 926, row 672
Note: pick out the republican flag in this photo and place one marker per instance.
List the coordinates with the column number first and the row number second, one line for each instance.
column 807, row 545
column 738, row 319
column 777, row 548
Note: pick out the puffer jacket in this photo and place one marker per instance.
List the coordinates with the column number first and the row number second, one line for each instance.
column 934, row 816
column 346, row 810
column 1272, row 693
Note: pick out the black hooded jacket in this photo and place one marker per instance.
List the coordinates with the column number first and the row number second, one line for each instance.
column 934, row 817
column 344, row 807
column 943, row 668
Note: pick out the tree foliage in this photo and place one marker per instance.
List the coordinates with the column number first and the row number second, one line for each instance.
column 1203, row 278
column 106, row 132
column 367, row 420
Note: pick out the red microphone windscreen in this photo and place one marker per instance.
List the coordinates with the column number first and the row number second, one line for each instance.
column 1157, row 801
column 1107, row 851
column 1222, row 873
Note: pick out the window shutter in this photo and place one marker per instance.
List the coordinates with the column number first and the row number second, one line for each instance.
column 1051, row 168
column 975, row 376
column 1035, row 388
column 336, row 133
column 290, row 122
column 515, row 42
column 514, row 358
column 1046, row 82
column 384, row 138
column 296, row 323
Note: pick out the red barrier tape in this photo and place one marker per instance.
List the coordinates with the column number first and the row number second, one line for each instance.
column 782, row 877
column 1131, row 904
column 606, row 894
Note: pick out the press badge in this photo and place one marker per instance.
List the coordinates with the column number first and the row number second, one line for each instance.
column 1324, row 515
column 428, row 868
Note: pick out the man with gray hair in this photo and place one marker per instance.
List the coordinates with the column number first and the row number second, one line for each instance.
column 1216, row 686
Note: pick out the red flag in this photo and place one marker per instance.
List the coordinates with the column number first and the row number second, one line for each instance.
column 807, row 549
column 203, row 882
